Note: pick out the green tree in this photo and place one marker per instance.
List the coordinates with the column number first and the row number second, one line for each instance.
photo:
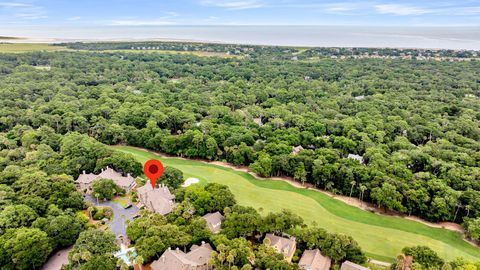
column 105, row 188
column 387, row 196
column 171, row 177
column 424, row 256
column 28, row 248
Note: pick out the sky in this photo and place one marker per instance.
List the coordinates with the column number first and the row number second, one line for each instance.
column 239, row 12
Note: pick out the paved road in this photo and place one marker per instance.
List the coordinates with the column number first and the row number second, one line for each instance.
column 58, row 259
column 117, row 224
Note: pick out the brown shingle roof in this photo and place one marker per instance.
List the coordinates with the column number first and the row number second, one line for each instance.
column 283, row 245
column 214, row 221
column 196, row 259
column 125, row 182
column 348, row 265
column 158, row 200
column 314, row 260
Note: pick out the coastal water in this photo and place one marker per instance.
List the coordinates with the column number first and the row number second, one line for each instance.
column 321, row 36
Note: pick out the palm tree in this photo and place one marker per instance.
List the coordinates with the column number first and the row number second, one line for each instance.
column 353, row 183
column 459, row 205
column 468, row 208
column 329, row 186
column 139, row 261
column 362, row 191
column 90, row 210
column 96, row 196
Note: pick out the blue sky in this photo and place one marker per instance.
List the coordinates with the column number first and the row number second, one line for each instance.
column 239, row 12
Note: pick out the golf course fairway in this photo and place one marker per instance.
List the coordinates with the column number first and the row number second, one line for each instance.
column 381, row 237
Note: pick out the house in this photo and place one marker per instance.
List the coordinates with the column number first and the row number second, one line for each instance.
column 214, row 221
column 285, row 246
column 196, row 259
column 348, row 265
column 356, row 157
column 85, row 181
column 158, row 200
column 297, row 149
column 314, row 260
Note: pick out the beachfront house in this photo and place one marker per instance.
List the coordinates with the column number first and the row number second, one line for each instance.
column 85, row 181
column 158, row 200
column 196, row 259
column 214, row 221
column 285, row 246
column 314, row 260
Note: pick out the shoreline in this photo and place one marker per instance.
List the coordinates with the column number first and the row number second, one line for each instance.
column 47, row 40
column 355, row 202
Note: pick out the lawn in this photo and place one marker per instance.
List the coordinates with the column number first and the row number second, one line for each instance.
column 381, row 237
column 122, row 201
column 28, row 47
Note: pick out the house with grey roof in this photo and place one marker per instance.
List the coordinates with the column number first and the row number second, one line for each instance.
column 214, row 221
column 356, row 157
column 348, row 265
column 85, row 181
column 314, row 260
column 158, row 199
column 285, row 246
column 297, row 149
column 196, row 259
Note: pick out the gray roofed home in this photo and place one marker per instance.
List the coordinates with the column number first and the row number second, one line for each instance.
column 348, row 265
column 297, row 149
column 85, row 180
column 356, row 157
column 196, row 259
column 158, row 200
column 214, row 221
column 285, row 246
column 314, row 260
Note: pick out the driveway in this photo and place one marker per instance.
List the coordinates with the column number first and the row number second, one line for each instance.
column 120, row 215
column 58, row 259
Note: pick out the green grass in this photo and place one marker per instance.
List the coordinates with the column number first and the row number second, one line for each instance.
column 122, row 201
column 381, row 237
column 28, row 47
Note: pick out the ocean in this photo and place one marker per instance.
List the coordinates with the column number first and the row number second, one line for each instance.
column 311, row 36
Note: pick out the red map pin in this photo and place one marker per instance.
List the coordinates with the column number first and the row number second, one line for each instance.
column 153, row 169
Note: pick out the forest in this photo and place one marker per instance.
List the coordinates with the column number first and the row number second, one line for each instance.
column 412, row 126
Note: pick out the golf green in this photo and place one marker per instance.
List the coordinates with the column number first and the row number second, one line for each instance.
column 381, row 237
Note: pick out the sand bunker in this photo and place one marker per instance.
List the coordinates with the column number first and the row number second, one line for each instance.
column 190, row 181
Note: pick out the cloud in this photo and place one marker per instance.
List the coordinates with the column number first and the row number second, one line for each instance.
column 234, row 5
column 13, row 5
column 401, row 10
column 340, row 8
column 76, row 18
column 20, row 12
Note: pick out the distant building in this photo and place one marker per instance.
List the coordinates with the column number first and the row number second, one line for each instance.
column 85, row 181
column 314, row 260
column 196, row 259
column 348, row 265
column 285, row 246
column 356, row 157
column 359, row 97
column 214, row 221
column 158, row 200
column 297, row 149
column 258, row 121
